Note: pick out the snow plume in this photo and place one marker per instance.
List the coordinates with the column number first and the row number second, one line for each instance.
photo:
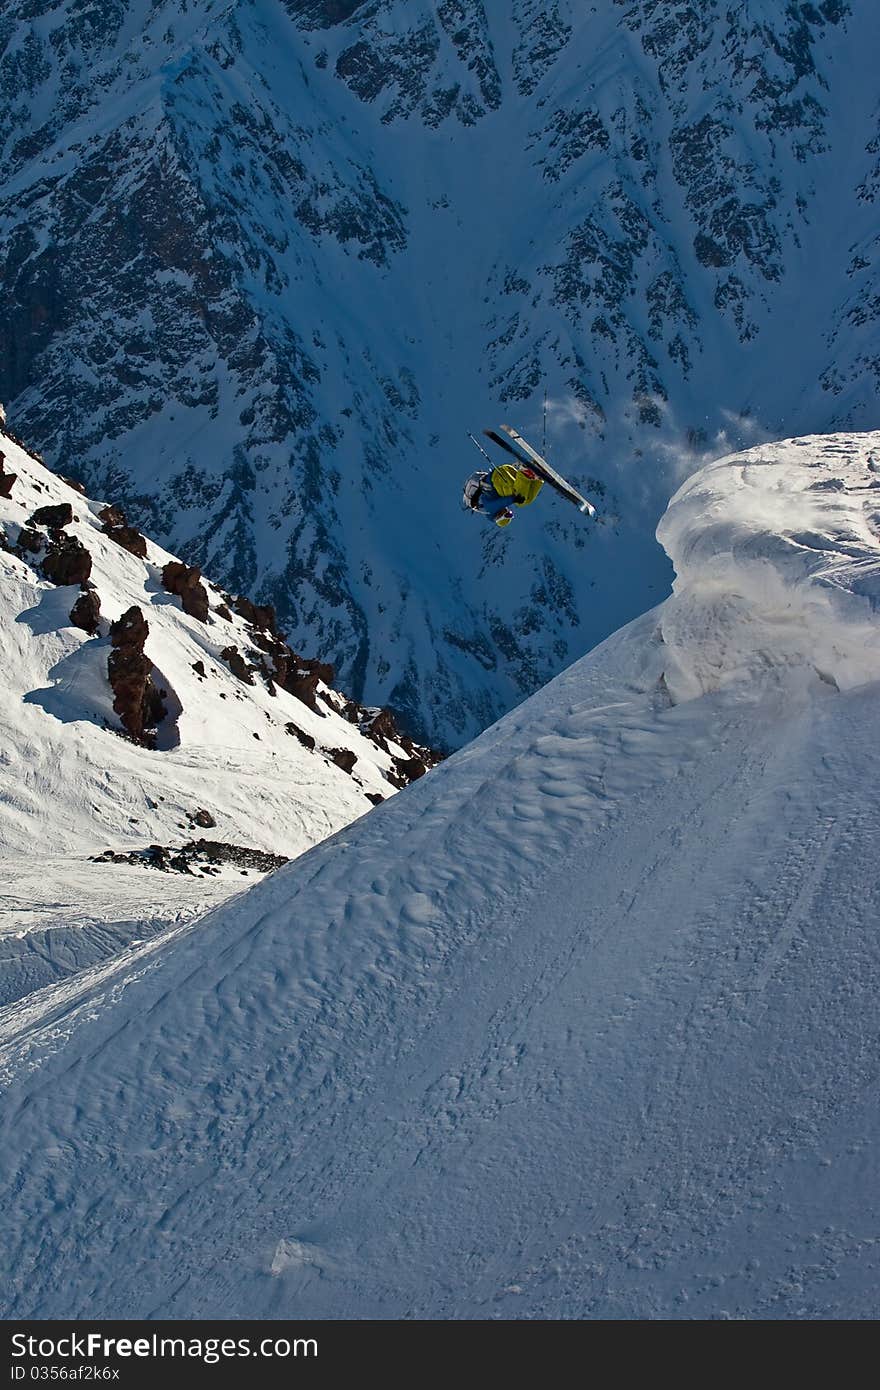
column 683, row 449
column 563, row 412
column 777, row 558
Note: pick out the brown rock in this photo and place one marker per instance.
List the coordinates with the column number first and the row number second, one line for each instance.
column 66, row 561
column 185, row 581
column 113, row 516
column 382, row 726
column 56, row 517
column 73, row 483
column 30, row 541
column 303, row 685
column 128, row 538
column 86, row 612
column 376, row 797
column 136, row 699
column 6, row 479
column 305, row 739
column 410, row 768
column 342, row 757
column 322, row 669
column 257, row 614
column 131, row 630
column 237, row 664
column 223, row 612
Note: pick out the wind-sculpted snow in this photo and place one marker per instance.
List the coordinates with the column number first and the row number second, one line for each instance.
column 777, row 560
column 581, row 1025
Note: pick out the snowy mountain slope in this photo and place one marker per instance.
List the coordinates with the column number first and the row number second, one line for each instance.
column 231, row 759
column 265, row 265
column 582, row 1025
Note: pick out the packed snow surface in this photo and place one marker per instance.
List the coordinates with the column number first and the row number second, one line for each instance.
column 581, row 1025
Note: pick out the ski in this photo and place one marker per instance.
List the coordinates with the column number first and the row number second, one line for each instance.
column 541, row 466
column 506, row 444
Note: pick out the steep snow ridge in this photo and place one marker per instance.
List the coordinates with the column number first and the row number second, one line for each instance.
column 581, row 1025
column 73, row 786
column 777, row 561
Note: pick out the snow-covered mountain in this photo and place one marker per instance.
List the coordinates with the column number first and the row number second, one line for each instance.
column 581, row 1025
column 142, row 710
column 263, row 265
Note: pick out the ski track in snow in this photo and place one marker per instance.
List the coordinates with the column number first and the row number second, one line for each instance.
column 581, row 1025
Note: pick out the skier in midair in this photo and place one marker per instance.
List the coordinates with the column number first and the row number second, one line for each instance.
column 491, row 494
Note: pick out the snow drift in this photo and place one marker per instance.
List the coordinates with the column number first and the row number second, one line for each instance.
column 581, row 1025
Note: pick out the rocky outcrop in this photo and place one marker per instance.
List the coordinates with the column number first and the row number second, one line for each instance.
column 135, row 697
column 259, row 615
column 6, row 479
column 54, row 517
column 196, row 856
column 185, row 581
column 406, row 770
column 67, row 561
column 342, row 757
column 237, row 664
column 30, row 542
column 117, row 528
column 300, row 734
column 128, row 538
column 86, row 612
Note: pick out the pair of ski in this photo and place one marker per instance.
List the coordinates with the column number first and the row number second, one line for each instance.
column 530, row 458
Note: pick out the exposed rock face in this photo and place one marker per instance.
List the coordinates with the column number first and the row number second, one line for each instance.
column 305, row 739
column 67, row 561
column 6, row 479
column 407, row 770
column 185, row 581
column 135, row 698
column 261, row 616
column 411, row 768
column 111, row 515
column 237, row 664
column 55, row 517
column 129, row 538
column 30, row 542
column 197, row 856
column 86, row 612
column 342, row 757
column 302, row 681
